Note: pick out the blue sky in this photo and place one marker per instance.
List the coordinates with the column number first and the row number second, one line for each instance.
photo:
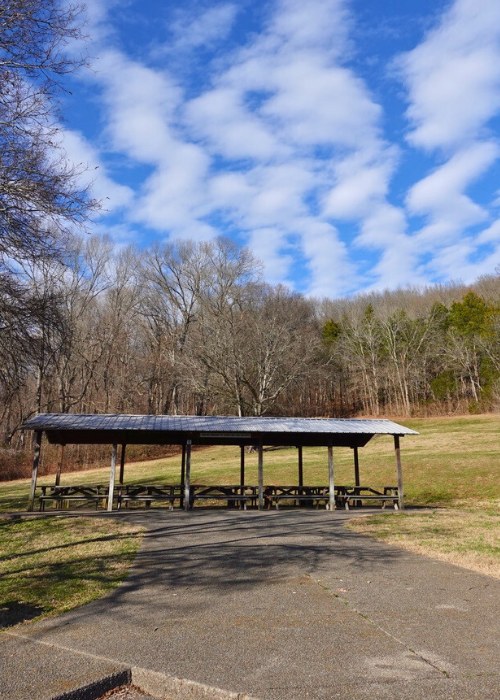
column 351, row 145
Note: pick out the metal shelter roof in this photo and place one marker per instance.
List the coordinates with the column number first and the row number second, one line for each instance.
column 66, row 428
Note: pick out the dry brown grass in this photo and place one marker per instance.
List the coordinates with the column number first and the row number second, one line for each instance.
column 469, row 538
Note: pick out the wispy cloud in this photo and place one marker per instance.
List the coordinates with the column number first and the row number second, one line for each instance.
column 453, row 87
column 93, row 172
column 210, row 27
column 442, row 192
column 254, row 150
column 453, row 77
column 281, row 141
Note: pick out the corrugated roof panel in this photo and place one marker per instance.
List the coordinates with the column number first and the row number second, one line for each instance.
column 216, row 424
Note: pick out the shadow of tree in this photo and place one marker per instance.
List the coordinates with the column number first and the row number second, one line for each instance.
column 13, row 612
column 189, row 559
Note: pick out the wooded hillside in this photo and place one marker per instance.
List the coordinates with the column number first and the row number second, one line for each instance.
column 192, row 328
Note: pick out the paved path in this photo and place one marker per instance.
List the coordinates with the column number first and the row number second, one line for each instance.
column 290, row 604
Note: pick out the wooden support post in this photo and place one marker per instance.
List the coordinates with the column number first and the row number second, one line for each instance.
column 331, row 480
column 183, row 474
column 242, row 467
column 34, row 470
column 357, row 482
column 301, row 467
column 122, row 464
column 399, row 469
column 261, row 476
column 187, row 477
column 60, row 467
column 112, row 473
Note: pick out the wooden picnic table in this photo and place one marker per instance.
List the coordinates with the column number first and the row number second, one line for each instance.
column 356, row 495
column 63, row 495
column 233, row 495
column 301, row 495
column 147, row 493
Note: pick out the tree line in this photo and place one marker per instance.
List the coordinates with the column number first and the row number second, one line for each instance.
column 192, row 328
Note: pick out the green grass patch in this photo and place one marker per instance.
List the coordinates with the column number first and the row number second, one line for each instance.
column 466, row 537
column 51, row 565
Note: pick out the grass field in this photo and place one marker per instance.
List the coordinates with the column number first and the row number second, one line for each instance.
column 467, row 537
column 50, row 565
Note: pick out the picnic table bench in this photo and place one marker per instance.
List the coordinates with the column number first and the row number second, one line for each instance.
column 233, row 495
column 147, row 493
column 301, row 495
column 356, row 495
column 63, row 495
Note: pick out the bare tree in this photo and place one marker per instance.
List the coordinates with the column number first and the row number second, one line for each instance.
column 282, row 346
column 174, row 275
column 41, row 197
column 40, row 193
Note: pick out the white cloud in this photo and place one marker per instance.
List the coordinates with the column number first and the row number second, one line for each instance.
column 282, row 141
column 359, row 184
column 79, row 151
column 269, row 245
column 465, row 261
column 231, row 191
column 141, row 103
column 453, row 87
column 316, row 103
column 441, row 192
column 172, row 198
column 210, row 27
column 384, row 227
column 230, row 130
column 279, row 192
column 398, row 266
column 453, row 77
column 315, row 23
column 332, row 273
column 491, row 234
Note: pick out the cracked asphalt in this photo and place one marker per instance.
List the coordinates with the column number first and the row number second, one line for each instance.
column 291, row 604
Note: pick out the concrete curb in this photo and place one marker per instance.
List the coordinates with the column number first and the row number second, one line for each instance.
column 93, row 691
column 161, row 685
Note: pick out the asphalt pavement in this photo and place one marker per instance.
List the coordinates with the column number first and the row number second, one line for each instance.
column 272, row 605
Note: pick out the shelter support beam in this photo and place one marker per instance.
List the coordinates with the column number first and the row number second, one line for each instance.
column 301, row 465
column 183, row 474
column 242, row 466
column 357, row 481
column 112, row 475
column 187, row 477
column 34, row 470
column 122, row 463
column 261, row 476
column 399, row 468
column 331, row 480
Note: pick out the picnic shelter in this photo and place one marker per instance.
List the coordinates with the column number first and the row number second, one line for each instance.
column 245, row 432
